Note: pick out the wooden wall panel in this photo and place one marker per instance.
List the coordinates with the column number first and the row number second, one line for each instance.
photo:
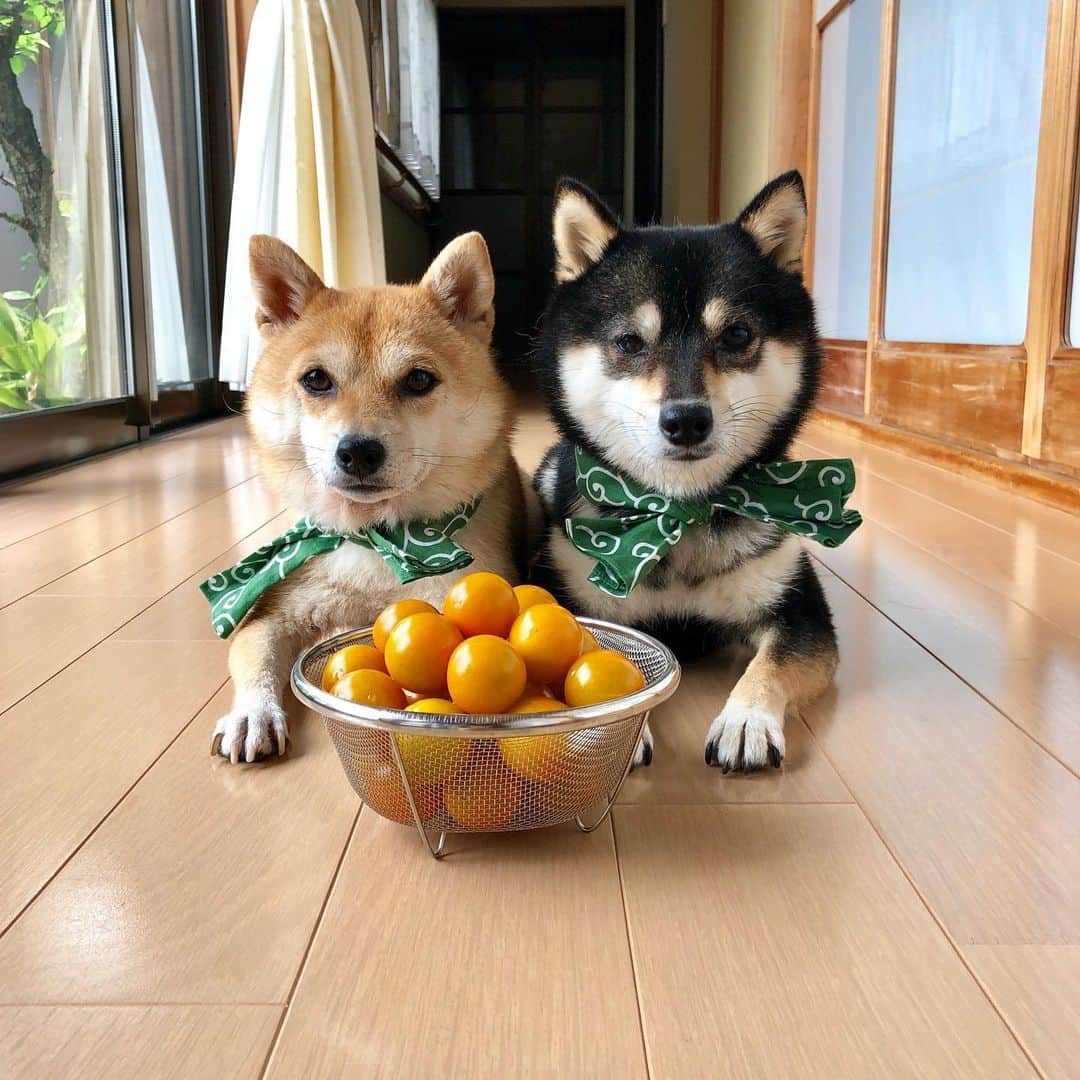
column 238, row 15
column 843, row 376
column 960, row 393
column 788, row 130
column 1061, row 415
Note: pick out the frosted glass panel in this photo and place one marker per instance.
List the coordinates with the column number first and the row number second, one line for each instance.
column 966, row 127
column 847, row 134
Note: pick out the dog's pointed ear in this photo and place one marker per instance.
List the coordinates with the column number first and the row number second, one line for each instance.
column 582, row 226
column 282, row 282
column 463, row 283
column 776, row 219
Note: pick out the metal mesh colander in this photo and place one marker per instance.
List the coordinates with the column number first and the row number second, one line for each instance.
column 472, row 773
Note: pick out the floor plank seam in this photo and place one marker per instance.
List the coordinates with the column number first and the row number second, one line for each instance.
column 953, row 944
column 14, row 485
column 952, row 671
column 630, row 949
column 116, row 629
column 129, row 540
column 112, row 809
column 139, row 1004
column 865, row 815
column 310, row 942
column 57, row 524
column 739, row 802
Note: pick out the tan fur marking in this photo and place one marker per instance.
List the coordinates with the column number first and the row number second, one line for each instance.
column 779, row 227
column 714, row 316
column 777, row 685
column 580, row 234
column 646, row 321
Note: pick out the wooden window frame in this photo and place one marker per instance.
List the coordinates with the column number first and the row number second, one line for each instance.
column 1034, row 410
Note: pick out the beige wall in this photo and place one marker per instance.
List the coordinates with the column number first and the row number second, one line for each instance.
column 405, row 242
column 748, row 72
column 688, row 37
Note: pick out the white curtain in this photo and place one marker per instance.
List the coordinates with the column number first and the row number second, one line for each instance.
column 305, row 160
column 169, row 356
column 90, row 367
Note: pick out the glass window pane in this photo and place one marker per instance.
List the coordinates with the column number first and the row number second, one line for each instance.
column 59, row 326
column 170, row 188
column 572, row 144
column 483, row 150
column 483, row 81
column 968, row 94
column 847, row 139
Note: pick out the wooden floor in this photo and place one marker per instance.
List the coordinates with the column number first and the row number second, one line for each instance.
column 901, row 900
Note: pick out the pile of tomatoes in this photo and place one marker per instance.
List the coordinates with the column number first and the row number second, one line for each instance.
column 493, row 649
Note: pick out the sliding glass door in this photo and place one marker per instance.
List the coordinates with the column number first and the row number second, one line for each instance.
column 172, row 208
column 106, row 315
column 60, row 318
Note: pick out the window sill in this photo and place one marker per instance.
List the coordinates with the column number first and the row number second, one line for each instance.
column 399, row 185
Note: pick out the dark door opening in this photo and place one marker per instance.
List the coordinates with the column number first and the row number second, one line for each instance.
column 527, row 97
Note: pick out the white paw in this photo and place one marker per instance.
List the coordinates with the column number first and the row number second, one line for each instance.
column 745, row 738
column 250, row 734
column 643, row 753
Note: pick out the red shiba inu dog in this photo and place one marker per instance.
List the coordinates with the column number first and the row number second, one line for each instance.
column 371, row 409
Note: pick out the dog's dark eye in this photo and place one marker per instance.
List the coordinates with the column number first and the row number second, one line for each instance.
column 630, row 344
column 316, row 381
column 419, row 382
column 736, row 337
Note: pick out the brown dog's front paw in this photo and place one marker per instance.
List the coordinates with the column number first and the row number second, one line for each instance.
column 248, row 734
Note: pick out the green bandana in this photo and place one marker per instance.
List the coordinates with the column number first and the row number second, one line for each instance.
column 803, row 497
column 416, row 550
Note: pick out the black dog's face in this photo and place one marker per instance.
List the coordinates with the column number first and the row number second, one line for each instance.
column 680, row 354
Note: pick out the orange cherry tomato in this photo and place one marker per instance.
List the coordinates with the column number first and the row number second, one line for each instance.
column 537, row 757
column 385, row 793
column 418, row 650
column 601, row 675
column 431, row 760
column 481, row 603
column 351, row 658
column 485, row 675
column 588, row 641
column 528, row 595
column 482, row 807
column 392, row 615
column 532, row 703
column 432, row 705
column 548, row 638
column 370, row 687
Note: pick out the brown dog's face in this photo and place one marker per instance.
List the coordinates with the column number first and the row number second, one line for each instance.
column 376, row 404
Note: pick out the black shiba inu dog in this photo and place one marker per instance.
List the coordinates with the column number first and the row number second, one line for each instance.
column 678, row 357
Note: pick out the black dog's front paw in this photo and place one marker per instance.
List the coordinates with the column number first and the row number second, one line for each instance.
column 745, row 739
column 643, row 755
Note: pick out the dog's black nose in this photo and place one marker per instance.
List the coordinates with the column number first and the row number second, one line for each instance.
column 686, row 423
column 360, row 456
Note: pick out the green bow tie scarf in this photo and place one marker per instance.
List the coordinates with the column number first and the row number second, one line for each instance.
column 415, row 550
column 802, row 497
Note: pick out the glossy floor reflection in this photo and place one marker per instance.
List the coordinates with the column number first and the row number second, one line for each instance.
column 901, row 899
